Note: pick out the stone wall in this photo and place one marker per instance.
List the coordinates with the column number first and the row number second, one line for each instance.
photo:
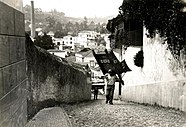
column 13, row 102
column 52, row 80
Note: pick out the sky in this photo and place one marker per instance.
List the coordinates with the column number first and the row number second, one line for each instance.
column 79, row 8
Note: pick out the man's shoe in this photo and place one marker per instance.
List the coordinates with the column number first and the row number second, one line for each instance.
column 110, row 103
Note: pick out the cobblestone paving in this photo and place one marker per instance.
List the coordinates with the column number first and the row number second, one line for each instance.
column 122, row 114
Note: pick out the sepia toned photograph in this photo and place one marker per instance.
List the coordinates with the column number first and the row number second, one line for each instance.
column 92, row 63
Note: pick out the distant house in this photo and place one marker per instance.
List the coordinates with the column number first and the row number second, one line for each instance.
column 84, row 56
column 58, row 42
column 84, row 37
column 38, row 29
column 96, row 72
column 51, row 34
column 100, row 47
column 58, row 52
column 91, row 44
column 69, row 41
column 90, row 35
column 107, row 40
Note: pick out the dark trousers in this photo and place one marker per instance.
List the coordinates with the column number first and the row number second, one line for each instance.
column 95, row 93
column 110, row 93
column 95, row 96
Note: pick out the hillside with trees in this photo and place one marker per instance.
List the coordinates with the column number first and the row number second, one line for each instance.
column 61, row 25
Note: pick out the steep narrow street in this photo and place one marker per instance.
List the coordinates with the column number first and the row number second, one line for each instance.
column 122, row 114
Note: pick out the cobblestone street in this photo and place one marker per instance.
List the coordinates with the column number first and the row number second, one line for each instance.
column 122, row 114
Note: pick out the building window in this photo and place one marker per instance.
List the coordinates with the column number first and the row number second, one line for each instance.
column 92, row 75
column 58, row 43
column 71, row 38
column 92, row 63
column 70, row 42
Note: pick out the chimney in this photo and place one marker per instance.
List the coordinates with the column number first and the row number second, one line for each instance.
column 32, row 20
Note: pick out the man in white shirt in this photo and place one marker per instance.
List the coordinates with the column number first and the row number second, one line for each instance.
column 110, row 86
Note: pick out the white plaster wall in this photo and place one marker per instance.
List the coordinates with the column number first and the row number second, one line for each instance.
column 88, row 59
column 60, row 54
column 79, row 58
column 159, row 64
column 167, row 94
column 82, row 40
column 107, row 40
column 61, row 47
column 56, row 40
column 134, row 77
column 160, row 81
column 97, row 73
column 118, row 55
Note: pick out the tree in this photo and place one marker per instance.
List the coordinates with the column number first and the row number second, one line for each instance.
column 69, row 26
column 81, row 26
column 110, row 26
column 103, row 28
column 50, row 23
column 59, row 34
column 85, row 26
column 92, row 25
column 27, row 9
column 98, row 27
column 76, row 28
column 44, row 42
column 58, row 27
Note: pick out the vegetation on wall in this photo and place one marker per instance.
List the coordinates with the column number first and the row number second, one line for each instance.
column 163, row 17
column 44, row 42
column 138, row 59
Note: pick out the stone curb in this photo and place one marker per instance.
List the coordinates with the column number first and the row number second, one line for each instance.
column 50, row 117
column 67, row 118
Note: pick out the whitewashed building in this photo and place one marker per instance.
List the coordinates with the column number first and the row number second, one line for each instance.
column 161, row 80
column 84, row 37
column 57, row 52
column 69, row 41
column 58, row 41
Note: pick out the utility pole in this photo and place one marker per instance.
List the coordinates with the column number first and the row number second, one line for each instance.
column 32, row 20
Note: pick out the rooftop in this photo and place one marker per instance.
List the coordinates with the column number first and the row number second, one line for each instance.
column 55, row 50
